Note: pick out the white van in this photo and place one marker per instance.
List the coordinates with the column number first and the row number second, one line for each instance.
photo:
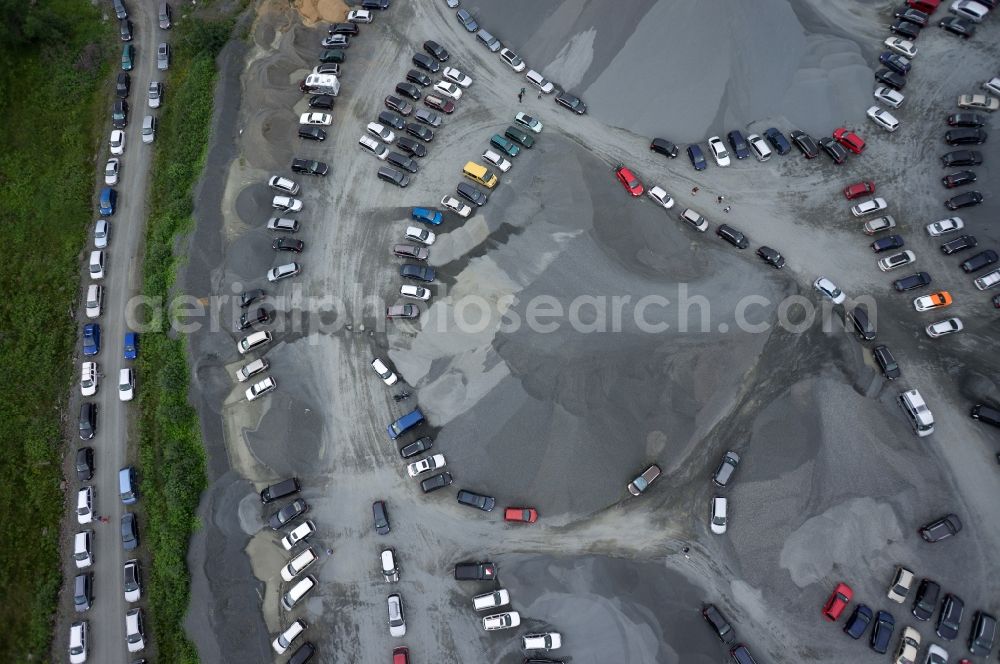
column 253, row 342
column 322, row 83
column 917, row 412
column 539, row 81
column 95, row 300
column 297, row 564
column 297, row 592
column 85, row 505
column 491, row 600
column 697, row 221
column 81, row 549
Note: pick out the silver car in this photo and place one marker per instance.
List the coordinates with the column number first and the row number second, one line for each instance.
column 397, row 623
column 163, row 56
column 283, row 271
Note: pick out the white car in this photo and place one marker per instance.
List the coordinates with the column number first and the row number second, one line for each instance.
column 154, row 94
column 456, row 206
column 497, row 160
column 455, row 76
column 284, row 185
column 359, row 16
column 300, row 533
column 882, row 118
column 828, row 288
column 528, row 122
column 118, row 142
column 384, row 372
column 909, row 643
column 718, row 149
column 426, row 464
column 491, row 600
column 943, row 327
column 97, row 264
column 969, row 9
column 397, row 622
column 868, row 207
column 979, row 102
column 282, row 224
column 284, row 641
column 879, row 224
column 510, row 57
column 719, row 507
column 126, row 384
column 899, row 259
column 543, row 641
column 933, row 301
column 260, row 389
column 381, row 131
column 539, row 81
column 421, row 235
column 286, row 204
column 902, row 581
column 501, row 621
column 94, row 300
column 936, row 655
column 889, row 97
column 85, row 505
column 661, row 197
column 903, row 47
column 298, row 564
column 993, row 86
column 449, row 90
column 319, row 119
column 283, row 271
column 759, row 147
column 988, row 280
column 78, row 642
column 102, row 230
column 415, row 292
column 88, row 379
column 945, row 226
column 369, row 144
column 133, row 631
column 111, row 171
column 130, row 581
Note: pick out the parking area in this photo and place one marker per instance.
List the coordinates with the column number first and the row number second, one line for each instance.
column 555, row 401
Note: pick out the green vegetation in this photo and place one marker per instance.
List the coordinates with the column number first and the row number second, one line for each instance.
column 171, row 456
column 54, row 73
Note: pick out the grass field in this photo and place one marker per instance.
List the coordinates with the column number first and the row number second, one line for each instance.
column 53, row 104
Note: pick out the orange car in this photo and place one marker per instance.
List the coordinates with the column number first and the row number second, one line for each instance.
column 933, row 301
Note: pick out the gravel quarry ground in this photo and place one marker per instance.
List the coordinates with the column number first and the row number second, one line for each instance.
column 577, row 335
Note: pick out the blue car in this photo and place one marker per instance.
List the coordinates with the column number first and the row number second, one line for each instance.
column 738, row 144
column 858, row 622
column 109, row 198
column 432, row 217
column 131, row 345
column 696, row 157
column 91, row 339
column 778, row 141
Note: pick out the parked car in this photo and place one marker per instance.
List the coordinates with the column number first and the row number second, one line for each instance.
column 858, row 189
column 572, row 102
column 664, row 147
column 982, row 634
column 394, row 103
column 958, row 179
column 886, row 362
column 979, row 261
column 849, row 140
column 719, row 517
column 958, row 26
column 777, row 141
column 879, row 224
column 909, row 643
column 917, row 280
column 771, row 257
column 895, row 62
column 805, row 143
column 936, row 300
column 418, row 446
column 380, row 517
column 631, row 183
column 963, row 200
column 858, row 622
column 829, row 289
column 899, row 587
column 501, row 621
column 943, row 327
column 979, row 102
column 474, row 195
column 638, row 485
column 722, row 627
column 718, row 149
column 298, row 534
column 837, row 602
column 887, row 243
column 943, row 528
column 888, row 96
column 936, row 228
column 697, row 158
column 732, row 236
column 520, row 514
column 738, row 144
column 435, row 482
column 868, row 207
column 950, row 617
column 882, row 118
column 966, row 120
column 926, row 599
column 962, row 158
column 288, row 513
column 724, row 473
column 882, row 632
column 477, row 500
column 890, row 78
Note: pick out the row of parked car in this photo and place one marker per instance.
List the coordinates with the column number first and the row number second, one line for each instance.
column 90, row 370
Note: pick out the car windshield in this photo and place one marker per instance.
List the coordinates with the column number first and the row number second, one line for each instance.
column 640, row 483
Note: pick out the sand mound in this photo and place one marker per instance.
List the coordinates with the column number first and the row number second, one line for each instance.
column 316, row 11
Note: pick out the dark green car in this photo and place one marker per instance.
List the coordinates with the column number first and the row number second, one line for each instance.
column 332, row 55
column 501, row 143
column 128, row 57
column 520, row 137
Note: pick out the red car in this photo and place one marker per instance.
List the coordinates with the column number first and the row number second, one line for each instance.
column 849, row 140
column 859, row 189
column 522, row 514
column 838, row 601
column 629, row 181
column 926, row 6
column 438, row 104
column 401, row 655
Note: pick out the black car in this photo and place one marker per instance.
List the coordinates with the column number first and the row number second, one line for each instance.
column 130, row 533
column 477, row 500
column 962, row 158
column 917, row 280
column 777, row 140
column 958, row 178
column 394, row 103
column 572, row 102
column 958, row 244
column 805, row 143
column 410, row 251
column 119, row 114
column 88, row 420
column 409, row 90
column 288, row 513
column 719, row 624
column 885, row 360
column 337, row 55
column 288, row 244
column 863, row 324
column 125, row 29
column 426, row 63
column 912, row 15
column 393, row 176
column 958, row 26
column 664, row 147
column 123, row 84
column 732, row 236
column 419, row 446
column 982, row 634
column 472, row 194
column 312, row 133
column 895, row 62
column 411, row 147
column 892, row 79
column 951, row 617
column 858, row 622
column 251, row 318
column 771, row 257
column 905, row 29
column 420, row 131
column 435, row 49
column 402, row 161
column 738, row 144
column 882, row 632
column 417, row 272
column 380, row 5
column 465, row 18
column 966, row 120
column 322, row 102
column 834, row 149
column 428, row 117
column 965, row 136
column 380, row 517
column 943, row 528
column 967, row 199
column 435, row 482
column 249, row 297
column 309, row 167
column 85, row 464
column 979, row 261
column 344, row 29
column 926, row 599
column 887, row 243
column 697, row 157
column 391, row 119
